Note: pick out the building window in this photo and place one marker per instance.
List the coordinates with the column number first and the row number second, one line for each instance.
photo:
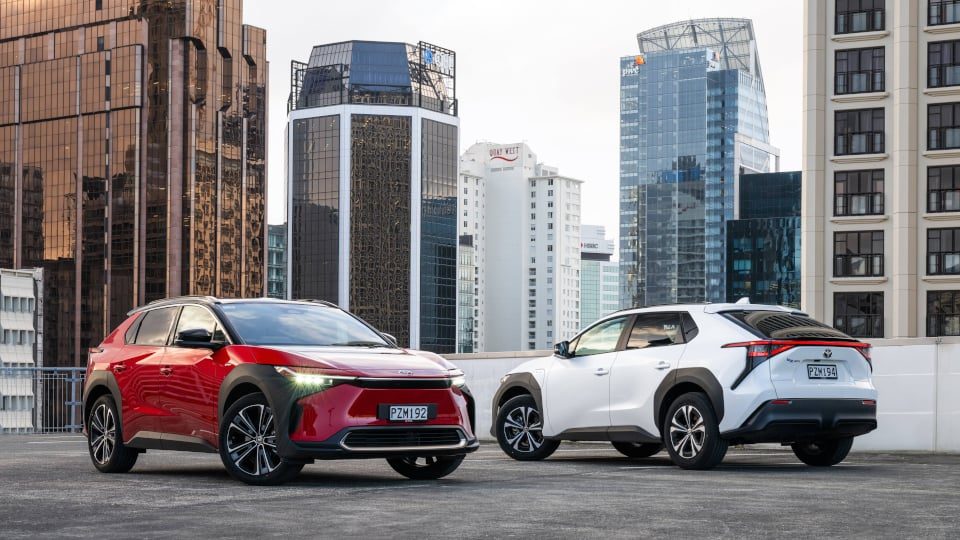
column 859, row 71
column 943, row 189
column 943, row 251
column 943, row 64
column 943, row 12
column 858, row 193
column 859, row 314
column 858, row 132
column 943, row 126
column 943, row 313
column 858, row 254
column 859, row 16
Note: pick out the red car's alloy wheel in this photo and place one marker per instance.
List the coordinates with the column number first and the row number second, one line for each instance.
column 103, row 434
column 252, row 441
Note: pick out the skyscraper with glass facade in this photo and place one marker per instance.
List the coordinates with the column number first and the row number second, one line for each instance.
column 372, row 141
column 693, row 117
column 763, row 243
column 132, row 156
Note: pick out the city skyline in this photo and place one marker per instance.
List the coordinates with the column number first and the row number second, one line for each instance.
column 528, row 108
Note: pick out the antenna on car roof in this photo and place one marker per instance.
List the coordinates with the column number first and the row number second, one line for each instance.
column 743, row 301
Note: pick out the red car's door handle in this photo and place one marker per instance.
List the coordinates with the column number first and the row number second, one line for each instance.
column 166, row 371
column 119, row 368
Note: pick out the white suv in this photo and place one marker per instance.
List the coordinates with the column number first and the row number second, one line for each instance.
column 693, row 379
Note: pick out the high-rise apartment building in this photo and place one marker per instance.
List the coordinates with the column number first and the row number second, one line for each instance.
column 763, row 243
column 599, row 275
column 531, row 249
column 277, row 261
column 881, row 198
column 21, row 346
column 693, row 117
column 132, row 156
column 372, row 141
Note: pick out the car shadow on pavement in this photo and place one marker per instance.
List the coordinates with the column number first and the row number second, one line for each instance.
column 730, row 466
column 310, row 477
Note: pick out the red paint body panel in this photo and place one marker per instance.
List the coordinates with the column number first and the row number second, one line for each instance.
column 189, row 391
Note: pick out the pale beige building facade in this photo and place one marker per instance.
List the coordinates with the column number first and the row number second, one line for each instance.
column 881, row 196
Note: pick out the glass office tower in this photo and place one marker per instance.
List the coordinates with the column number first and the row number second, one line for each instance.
column 763, row 243
column 693, row 116
column 133, row 148
column 372, row 146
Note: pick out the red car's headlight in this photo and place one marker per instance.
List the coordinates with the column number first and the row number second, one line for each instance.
column 313, row 378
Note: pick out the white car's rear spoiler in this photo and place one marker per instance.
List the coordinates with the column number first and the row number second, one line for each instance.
column 721, row 308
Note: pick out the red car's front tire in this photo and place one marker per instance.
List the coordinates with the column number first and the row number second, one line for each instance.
column 248, row 443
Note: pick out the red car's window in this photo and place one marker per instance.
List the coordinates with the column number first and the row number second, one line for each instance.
column 155, row 327
column 131, row 334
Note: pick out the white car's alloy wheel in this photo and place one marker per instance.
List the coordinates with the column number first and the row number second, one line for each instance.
column 523, row 429
column 687, row 431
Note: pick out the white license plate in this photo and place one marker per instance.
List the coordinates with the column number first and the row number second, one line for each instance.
column 408, row 413
column 821, row 372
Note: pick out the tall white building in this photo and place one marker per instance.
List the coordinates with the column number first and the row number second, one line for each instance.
column 599, row 276
column 881, row 194
column 528, row 219
column 21, row 346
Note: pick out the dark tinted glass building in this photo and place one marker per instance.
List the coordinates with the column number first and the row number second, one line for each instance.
column 763, row 245
column 372, row 138
column 693, row 116
column 133, row 151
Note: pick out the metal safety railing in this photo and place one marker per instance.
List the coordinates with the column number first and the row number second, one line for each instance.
column 41, row 400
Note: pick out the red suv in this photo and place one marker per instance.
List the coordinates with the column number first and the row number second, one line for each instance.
column 271, row 385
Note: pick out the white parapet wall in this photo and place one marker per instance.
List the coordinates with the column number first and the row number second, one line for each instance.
column 918, row 382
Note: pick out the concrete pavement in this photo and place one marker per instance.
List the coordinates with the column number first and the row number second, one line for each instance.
column 48, row 488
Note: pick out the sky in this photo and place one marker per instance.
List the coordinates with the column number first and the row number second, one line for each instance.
column 541, row 72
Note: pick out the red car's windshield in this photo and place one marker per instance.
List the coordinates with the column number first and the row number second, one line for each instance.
column 284, row 324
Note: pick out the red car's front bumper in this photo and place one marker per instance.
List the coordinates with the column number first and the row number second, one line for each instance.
column 345, row 422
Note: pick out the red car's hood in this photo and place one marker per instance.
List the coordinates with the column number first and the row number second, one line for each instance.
column 370, row 362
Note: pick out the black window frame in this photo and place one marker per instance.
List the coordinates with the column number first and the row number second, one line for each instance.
column 866, row 305
column 939, row 185
column 947, row 122
column 937, row 12
column 873, row 260
column 869, row 183
column 848, row 64
column 846, row 10
column 851, row 123
column 937, row 52
column 938, row 317
column 941, row 243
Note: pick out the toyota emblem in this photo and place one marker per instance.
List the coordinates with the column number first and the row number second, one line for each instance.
column 408, row 372
column 827, row 353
